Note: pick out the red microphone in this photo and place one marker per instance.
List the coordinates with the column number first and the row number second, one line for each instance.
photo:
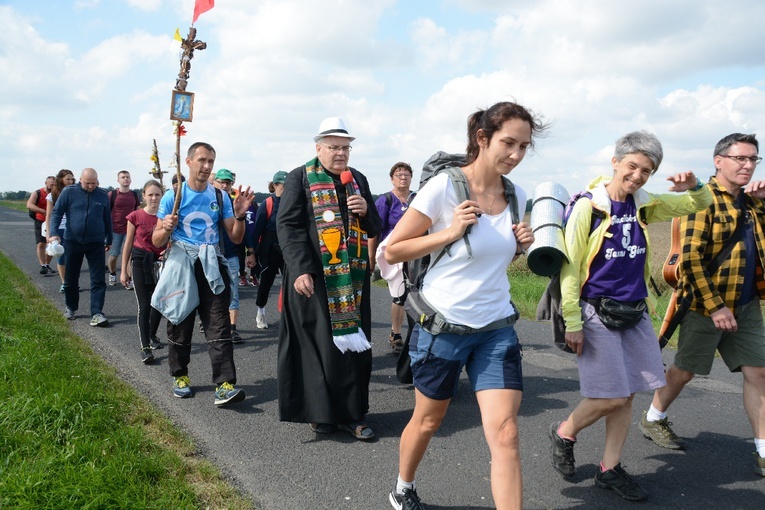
column 347, row 178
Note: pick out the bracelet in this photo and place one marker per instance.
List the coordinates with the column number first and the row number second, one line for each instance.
column 242, row 218
column 698, row 185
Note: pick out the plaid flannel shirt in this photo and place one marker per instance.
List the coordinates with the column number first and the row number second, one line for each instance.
column 705, row 234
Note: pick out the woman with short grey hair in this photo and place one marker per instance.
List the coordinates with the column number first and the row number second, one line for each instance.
column 606, row 300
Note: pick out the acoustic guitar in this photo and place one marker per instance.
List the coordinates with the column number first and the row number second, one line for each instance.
column 671, row 270
column 671, row 274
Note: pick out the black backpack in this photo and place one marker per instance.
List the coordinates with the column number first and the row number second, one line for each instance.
column 416, row 305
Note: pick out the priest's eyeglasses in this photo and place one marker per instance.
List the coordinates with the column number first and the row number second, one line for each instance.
column 338, row 148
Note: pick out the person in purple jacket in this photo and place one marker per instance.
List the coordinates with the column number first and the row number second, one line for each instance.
column 391, row 207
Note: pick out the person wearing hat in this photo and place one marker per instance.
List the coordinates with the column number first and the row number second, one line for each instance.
column 323, row 227
column 224, row 181
column 263, row 246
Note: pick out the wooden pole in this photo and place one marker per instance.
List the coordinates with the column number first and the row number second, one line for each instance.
column 178, row 175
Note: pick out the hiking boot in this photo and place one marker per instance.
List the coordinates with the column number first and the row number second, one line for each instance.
column 181, row 387
column 620, row 482
column 260, row 321
column 98, row 320
column 69, row 314
column 146, row 355
column 155, row 344
column 408, row 500
column 759, row 465
column 396, row 342
column 235, row 337
column 226, row 394
column 562, row 452
column 660, row 433
column 112, row 279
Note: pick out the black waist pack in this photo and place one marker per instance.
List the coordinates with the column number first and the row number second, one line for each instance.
column 619, row 314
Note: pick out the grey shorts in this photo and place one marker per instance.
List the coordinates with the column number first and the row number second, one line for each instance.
column 618, row 363
column 699, row 339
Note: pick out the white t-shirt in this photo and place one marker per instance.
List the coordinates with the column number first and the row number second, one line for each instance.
column 475, row 291
column 49, row 198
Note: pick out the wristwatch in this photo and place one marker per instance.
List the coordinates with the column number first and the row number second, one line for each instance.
column 242, row 218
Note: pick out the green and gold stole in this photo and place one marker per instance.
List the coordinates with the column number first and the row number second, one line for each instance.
column 343, row 257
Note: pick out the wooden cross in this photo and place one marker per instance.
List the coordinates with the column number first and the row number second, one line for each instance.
column 189, row 45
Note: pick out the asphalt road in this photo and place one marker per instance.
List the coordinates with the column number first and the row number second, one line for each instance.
column 285, row 466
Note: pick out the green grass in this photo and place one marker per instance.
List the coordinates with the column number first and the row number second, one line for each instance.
column 72, row 435
column 19, row 205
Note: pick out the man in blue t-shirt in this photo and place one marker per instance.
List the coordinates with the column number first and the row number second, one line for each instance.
column 195, row 259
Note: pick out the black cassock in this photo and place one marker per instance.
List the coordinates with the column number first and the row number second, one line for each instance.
column 316, row 382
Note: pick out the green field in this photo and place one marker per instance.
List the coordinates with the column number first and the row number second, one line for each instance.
column 72, row 435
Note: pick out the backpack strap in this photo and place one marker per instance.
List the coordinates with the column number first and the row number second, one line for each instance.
column 269, row 202
column 388, row 199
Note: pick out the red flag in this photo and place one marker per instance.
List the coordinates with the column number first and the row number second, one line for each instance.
column 201, row 6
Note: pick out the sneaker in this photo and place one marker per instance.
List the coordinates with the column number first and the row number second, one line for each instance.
column 242, row 281
column 409, row 500
column 759, row 465
column 155, row 344
column 254, row 281
column 146, row 355
column 69, row 314
column 43, row 270
column 201, row 327
column 99, row 320
column 235, row 337
column 226, row 394
column 112, row 279
column 129, row 285
column 396, row 342
column 660, row 433
column 620, row 482
column 61, row 289
column 562, row 452
column 181, row 387
column 260, row 321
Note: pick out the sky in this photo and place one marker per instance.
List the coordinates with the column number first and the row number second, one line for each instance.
column 88, row 83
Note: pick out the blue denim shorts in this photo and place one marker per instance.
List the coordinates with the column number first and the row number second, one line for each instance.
column 492, row 360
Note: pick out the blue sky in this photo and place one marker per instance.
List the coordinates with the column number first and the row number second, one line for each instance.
column 87, row 83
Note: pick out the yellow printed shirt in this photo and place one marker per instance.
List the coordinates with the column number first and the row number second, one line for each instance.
column 705, row 234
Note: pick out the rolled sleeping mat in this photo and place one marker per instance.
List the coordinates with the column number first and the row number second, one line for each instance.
column 546, row 255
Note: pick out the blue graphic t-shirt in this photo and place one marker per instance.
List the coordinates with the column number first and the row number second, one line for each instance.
column 197, row 216
column 617, row 270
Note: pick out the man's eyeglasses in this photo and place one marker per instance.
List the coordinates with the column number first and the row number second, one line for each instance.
column 403, row 175
column 743, row 159
column 338, row 148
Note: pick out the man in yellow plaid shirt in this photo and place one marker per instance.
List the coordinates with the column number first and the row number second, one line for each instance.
column 724, row 313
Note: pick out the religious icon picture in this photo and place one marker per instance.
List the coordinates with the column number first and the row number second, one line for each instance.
column 182, row 106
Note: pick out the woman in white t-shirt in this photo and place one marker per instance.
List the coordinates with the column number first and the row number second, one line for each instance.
column 472, row 290
column 64, row 178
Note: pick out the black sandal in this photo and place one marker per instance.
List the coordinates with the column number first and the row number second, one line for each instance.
column 396, row 342
column 359, row 430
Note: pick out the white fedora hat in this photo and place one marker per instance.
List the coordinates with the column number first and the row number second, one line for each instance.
column 333, row 126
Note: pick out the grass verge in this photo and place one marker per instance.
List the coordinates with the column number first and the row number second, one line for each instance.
column 15, row 204
column 73, row 435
